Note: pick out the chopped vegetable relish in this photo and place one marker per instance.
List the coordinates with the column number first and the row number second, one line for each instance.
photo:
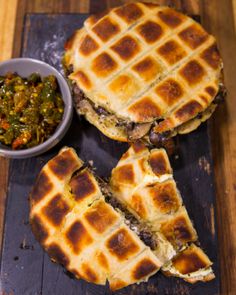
column 30, row 109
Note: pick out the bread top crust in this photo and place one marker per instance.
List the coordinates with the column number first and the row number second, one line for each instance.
column 144, row 63
column 78, row 229
column 143, row 182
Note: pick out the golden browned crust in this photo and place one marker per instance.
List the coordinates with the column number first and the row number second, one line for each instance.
column 145, row 267
column 78, row 237
column 55, row 210
column 170, row 91
column 125, row 174
column 189, row 261
column 106, row 29
column 121, row 245
column 143, row 63
column 79, row 230
column 43, row 186
column 150, row 31
column 193, row 36
column 165, row 196
column 38, row 228
column 88, row 45
column 155, row 200
column 64, row 164
column 159, row 163
column 104, row 64
column 147, row 68
column 129, row 12
column 179, row 230
column 191, row 264
column 145, row 109
column 172, row 52
column 192, row 72
column 82, row 185
column 126, row 48
column 57, row 254
column 101, row 217
column 171, row 17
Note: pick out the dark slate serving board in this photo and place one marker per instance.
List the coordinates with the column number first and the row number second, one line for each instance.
column 25, row 267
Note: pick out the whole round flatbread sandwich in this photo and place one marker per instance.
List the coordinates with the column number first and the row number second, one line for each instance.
column 144, row 71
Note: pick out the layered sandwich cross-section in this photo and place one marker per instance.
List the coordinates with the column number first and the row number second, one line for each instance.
column 143, row 182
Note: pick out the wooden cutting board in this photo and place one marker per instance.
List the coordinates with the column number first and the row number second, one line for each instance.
column 25, row 267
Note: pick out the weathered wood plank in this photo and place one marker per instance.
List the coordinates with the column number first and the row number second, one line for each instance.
column 219, row 18
column 7, row 25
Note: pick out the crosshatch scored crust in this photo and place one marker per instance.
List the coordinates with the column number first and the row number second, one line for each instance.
column 138, row 58
column 74, row 224
column 153, row 197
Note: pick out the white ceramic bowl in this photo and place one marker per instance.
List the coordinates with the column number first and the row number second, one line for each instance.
column 24, row 67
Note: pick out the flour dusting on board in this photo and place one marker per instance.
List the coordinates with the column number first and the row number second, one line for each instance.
column 51, row 53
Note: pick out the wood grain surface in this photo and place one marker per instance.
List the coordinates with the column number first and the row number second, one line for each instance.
column 219, row 17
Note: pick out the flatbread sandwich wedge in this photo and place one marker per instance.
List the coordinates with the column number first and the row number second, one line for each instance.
column 144, row 71
column 143, row 182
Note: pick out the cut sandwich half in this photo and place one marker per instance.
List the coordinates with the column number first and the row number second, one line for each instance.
column 144, row 71
column 143, row 182
column 71, row 218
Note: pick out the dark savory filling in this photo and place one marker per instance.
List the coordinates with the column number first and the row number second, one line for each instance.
column 149, row 238
column 134, row 130
column 142, row 230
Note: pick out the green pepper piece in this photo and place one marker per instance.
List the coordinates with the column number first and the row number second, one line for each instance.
column 2, row 80
column 34, row 78
column 8, row 136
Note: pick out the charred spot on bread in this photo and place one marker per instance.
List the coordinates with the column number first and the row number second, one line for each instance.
column 144, row 268
column 106, row 28
column 121, row 244
column 78, row 237
column 129, row 12
column 57, row 254
column 44, row 186
column 101, row 217
column 150, row 31
column 40, row 231
column 82, row 186
column 163, row 78
column 127, row 47
column 63, row 164
column 55, row 210
column 170, row 17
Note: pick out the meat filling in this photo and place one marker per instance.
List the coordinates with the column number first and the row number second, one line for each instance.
column 142, row 230
column 133, row 130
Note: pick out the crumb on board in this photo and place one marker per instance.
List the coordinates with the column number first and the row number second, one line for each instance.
column 204, row 165
column 90, row 162
column 91, row 165
column 176, row 157
column 25, row 246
